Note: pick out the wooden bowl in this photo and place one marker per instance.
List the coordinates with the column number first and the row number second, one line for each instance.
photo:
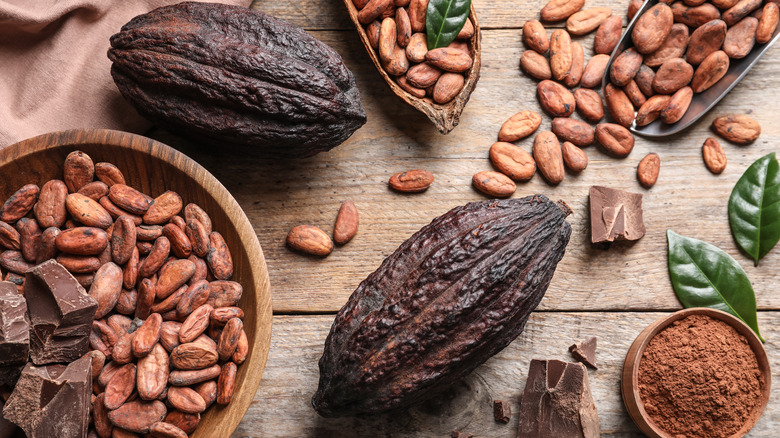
column 153, row 168
column 629, row 384
column 446, row 117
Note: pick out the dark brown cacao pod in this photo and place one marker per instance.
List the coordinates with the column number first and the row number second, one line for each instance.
column 230, row 75
column 453, row 295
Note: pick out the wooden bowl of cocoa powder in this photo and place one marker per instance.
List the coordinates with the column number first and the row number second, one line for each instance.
column 698, row 372
column 153, row 168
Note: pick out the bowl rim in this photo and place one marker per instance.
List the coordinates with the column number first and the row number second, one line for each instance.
column 630, row 373
column 229, row 417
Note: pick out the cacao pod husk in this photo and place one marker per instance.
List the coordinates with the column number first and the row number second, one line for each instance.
column 450, row 297
column 230, row 75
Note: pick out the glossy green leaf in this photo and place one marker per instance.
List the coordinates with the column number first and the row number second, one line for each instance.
column 444, row 19
column 754, row 208
column 705, row 276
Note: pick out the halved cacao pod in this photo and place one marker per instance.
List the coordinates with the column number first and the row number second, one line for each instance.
column 446, row 117
column 230, row 75
column 453, row 295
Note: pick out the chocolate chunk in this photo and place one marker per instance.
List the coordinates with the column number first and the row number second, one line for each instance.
column 14, row 327
column 585, row 352
column 557, row 402
column 502, row 411
column 7, row 429
column 52, row 401
column 615, row 215
column 459, row 434
column 61, row 314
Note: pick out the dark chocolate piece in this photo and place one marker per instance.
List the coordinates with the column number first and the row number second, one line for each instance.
column 61, row 314
column 14, row 327
column 615, row 215
column 502, row 411
column 585, row 352
column 7, row 429
column 459, row 434
column 557, row 402
column 52, row 401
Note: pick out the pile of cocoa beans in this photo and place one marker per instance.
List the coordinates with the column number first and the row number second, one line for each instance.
column 168, row 335
column 396, row 30
column 690, row 45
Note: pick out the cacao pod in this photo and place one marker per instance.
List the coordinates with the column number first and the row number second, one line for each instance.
column 230, row 75
column 450, row 297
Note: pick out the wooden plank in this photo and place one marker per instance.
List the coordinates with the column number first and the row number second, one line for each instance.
column 492, row 14
column 278, row 195
column 282, row 406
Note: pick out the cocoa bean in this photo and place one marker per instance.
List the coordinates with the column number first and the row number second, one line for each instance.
column 170, row 302
column 173, row 275
column 201, row 269
column 195, row 296
column 50, row 209
column 577, row 65
column 555, row 99
column 409, row 88
column 106, row 288
column 120, row 387
column 644, row 80
column 634, row 94
column 467, row 31
column 179, row 242
column 138, row 416
column 145, row 298
column 490, row 183
column 166, row 430
column 573, row 157
column 737, row 128
column 48, row 244
column 372, row 33
column 448, row 87
column 633, row 8
column 224, row 293
column 694, row 16
column 652, row 28
column 403, row 27
column 164, row 207
column 100, row 420
column 594, row 70
column 194, row 212
column 560, row 54
column 558, row 10
column 19, row 204
column 310, row 239
column 519, row 126
column 185, row 422
column 710, row 71
column 186, row 400
column 740, row 38
column 346, row 225
column 619, row 106
column 157, row 256
column 87, row 211
column 587, row 20
column 192, row 377
column 109, row 174
column 574, row 131
column 651, row 109
column 677, row 106
column 673, row 47
column 153, row 372
column 740, row 10
column 449, row 59
column 196, row 323
column 242, row 349
column 130, row 270
column 608, row 35
column 94, row 190
column 147, row 335
column 226, row 383
column 616, row 139
column 411, row 181
column 648, row 169
column 766, row 24
column 373, row 10
column 123, row 349
column 208, row 390
column 535, row 65
column 423, row 75
column 705, row 40
column 196, row 355
column 169, row 334
column 713, row 155
column 512, row 161
column 79, row 170
column 625, row 67
column 123, row 239
column 589, row 104
column 102, row 337
column 672, row 75
column 387, row 38
column 417, row 47
column 535, row 37
column 129, row 199
column 29, row 238
column 107, row 373
column 548, row 157
column 79, row 264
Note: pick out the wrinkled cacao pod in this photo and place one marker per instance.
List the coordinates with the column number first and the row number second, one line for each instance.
column 453, row 295
column 230, row 75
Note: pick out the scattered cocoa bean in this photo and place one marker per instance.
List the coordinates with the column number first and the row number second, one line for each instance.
column 648, row 169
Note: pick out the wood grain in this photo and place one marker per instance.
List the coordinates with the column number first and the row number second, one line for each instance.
column 153, row 168
column 687, row 198
column 282, row 405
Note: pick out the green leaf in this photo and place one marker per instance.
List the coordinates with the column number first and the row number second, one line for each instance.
column 444, row 19
column 705, row 276
column 754, row 208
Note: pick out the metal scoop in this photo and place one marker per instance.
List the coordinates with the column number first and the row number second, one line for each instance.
column 701, row 102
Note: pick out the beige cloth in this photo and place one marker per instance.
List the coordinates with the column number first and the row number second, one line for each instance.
column 54, row 73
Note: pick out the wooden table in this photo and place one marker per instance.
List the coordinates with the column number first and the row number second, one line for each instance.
column 610, row 294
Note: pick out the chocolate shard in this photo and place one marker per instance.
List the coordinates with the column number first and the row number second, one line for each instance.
column 615, row 215
column 61, row 314
column 14, row 327
column 585, row 352
column 52, row 401
column 502, row 411
column 557, row 402
column 7, row 429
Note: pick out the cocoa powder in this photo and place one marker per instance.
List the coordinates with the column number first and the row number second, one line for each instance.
column 699, row 378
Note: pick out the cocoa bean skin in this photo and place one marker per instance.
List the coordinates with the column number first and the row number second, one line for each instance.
column 548, row 157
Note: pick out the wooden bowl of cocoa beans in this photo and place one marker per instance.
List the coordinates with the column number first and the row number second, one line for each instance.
column 696, row 372
column 154, row 169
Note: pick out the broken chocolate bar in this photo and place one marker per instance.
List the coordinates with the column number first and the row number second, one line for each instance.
column 52, row 401
column 557, row 402
column 502, row 412
column 61, row 314
column 585, row 352
column 615, row 215
column 14, row 326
